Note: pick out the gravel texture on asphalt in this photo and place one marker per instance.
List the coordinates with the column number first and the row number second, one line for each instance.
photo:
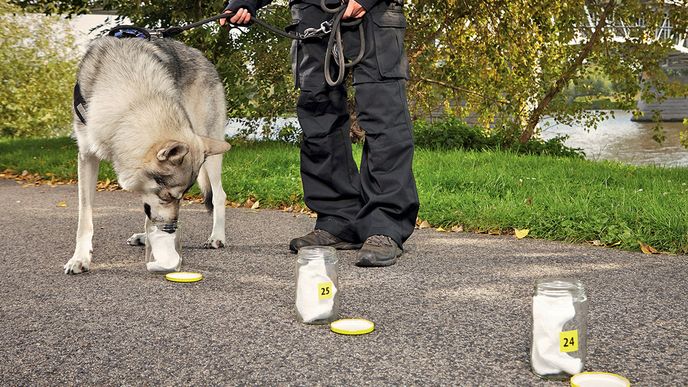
column 455, row 310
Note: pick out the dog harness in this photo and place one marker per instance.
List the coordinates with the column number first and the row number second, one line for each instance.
column 120, row 32
column 79, row 104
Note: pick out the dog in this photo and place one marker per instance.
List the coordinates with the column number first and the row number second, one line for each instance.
column 154, row 108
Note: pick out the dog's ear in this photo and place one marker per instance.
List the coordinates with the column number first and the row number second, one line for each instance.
column 173, row 152
column 213, row 146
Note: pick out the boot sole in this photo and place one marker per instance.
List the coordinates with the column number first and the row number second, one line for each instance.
column 365, row 262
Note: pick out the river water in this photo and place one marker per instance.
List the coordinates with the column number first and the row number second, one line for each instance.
column 623, row 140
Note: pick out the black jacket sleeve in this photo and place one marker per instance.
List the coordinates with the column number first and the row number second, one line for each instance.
column 251, row 5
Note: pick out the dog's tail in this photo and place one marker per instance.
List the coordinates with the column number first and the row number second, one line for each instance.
column 204, row 184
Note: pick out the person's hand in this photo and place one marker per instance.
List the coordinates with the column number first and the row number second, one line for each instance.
column 242, row 16
column 354, row 10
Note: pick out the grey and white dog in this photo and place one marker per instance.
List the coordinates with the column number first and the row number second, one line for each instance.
column 156, row 110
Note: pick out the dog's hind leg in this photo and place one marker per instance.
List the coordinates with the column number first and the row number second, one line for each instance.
column 88, row 165
column 213, row 168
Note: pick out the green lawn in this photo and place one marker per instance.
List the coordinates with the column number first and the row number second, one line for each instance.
column 555, row 198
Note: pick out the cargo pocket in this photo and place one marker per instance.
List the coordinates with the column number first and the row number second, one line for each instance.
column 389, row 31
column 294, row 51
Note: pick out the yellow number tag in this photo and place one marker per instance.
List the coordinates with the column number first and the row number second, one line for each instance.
column 568, row 341
column 325, row 290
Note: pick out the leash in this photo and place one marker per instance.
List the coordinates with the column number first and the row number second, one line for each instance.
column 325, row 28
column 332, row 27
column 334, row 51
column 335, row 45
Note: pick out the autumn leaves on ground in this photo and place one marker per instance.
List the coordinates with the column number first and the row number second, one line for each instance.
column 601, row 203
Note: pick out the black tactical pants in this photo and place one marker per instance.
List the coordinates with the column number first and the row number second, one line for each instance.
column 382, row 198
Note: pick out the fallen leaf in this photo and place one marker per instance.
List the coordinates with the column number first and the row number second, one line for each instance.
column 457, row 229
column 24, row 172
column 597, row 242
column 521, row 233
column 440, row 229
column 647, row 249
column 62, row 204
column 313, row 215
column 256, row 205
column 424, row 224
column 495, row 231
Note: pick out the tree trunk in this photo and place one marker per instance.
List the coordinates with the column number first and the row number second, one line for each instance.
column 356, row 133
column 567, row 75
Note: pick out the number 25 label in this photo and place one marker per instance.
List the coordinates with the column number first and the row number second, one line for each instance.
column 325, row 290
column 568, row 341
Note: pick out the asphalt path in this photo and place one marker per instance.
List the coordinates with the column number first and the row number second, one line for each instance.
column 455, row 310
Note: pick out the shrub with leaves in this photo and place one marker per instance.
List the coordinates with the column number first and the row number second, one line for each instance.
column 453, row 133
column 37, row 69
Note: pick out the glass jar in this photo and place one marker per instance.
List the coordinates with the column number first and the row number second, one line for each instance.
column 317, row 292
column 559, row 337
column 163, row 246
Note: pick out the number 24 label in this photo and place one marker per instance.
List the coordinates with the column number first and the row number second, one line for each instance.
column 325, row 290
column 568, row 341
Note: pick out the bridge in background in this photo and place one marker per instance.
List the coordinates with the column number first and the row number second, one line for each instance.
column 676, row 66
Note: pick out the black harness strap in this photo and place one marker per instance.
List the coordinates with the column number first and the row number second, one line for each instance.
column 79, row 104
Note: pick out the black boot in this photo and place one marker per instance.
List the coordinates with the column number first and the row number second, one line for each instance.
column 319, row 237
column 378, row 250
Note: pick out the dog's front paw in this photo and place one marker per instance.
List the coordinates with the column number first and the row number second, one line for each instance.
column 137, row 240
column 78, row 264
column 214, row 244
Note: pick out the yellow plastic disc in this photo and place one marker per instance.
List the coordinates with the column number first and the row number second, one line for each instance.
column 183, row 276
column 599, row 379
column 352, row 326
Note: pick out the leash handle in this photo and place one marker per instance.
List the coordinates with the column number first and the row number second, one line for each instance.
column 335, row 44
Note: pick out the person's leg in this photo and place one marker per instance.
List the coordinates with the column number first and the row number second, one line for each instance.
column 387, row 182
column 328, row 172
column 388, row 187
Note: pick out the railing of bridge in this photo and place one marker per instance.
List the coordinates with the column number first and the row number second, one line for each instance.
column 624, row 31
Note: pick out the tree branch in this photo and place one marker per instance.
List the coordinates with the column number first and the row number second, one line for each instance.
column 449, row 19
column 567, row 75
column 461, row 89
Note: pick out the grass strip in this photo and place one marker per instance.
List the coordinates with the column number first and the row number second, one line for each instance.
column 565, row 199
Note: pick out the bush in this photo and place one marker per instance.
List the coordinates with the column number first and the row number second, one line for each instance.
column 37, row 70
column 452, row 133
